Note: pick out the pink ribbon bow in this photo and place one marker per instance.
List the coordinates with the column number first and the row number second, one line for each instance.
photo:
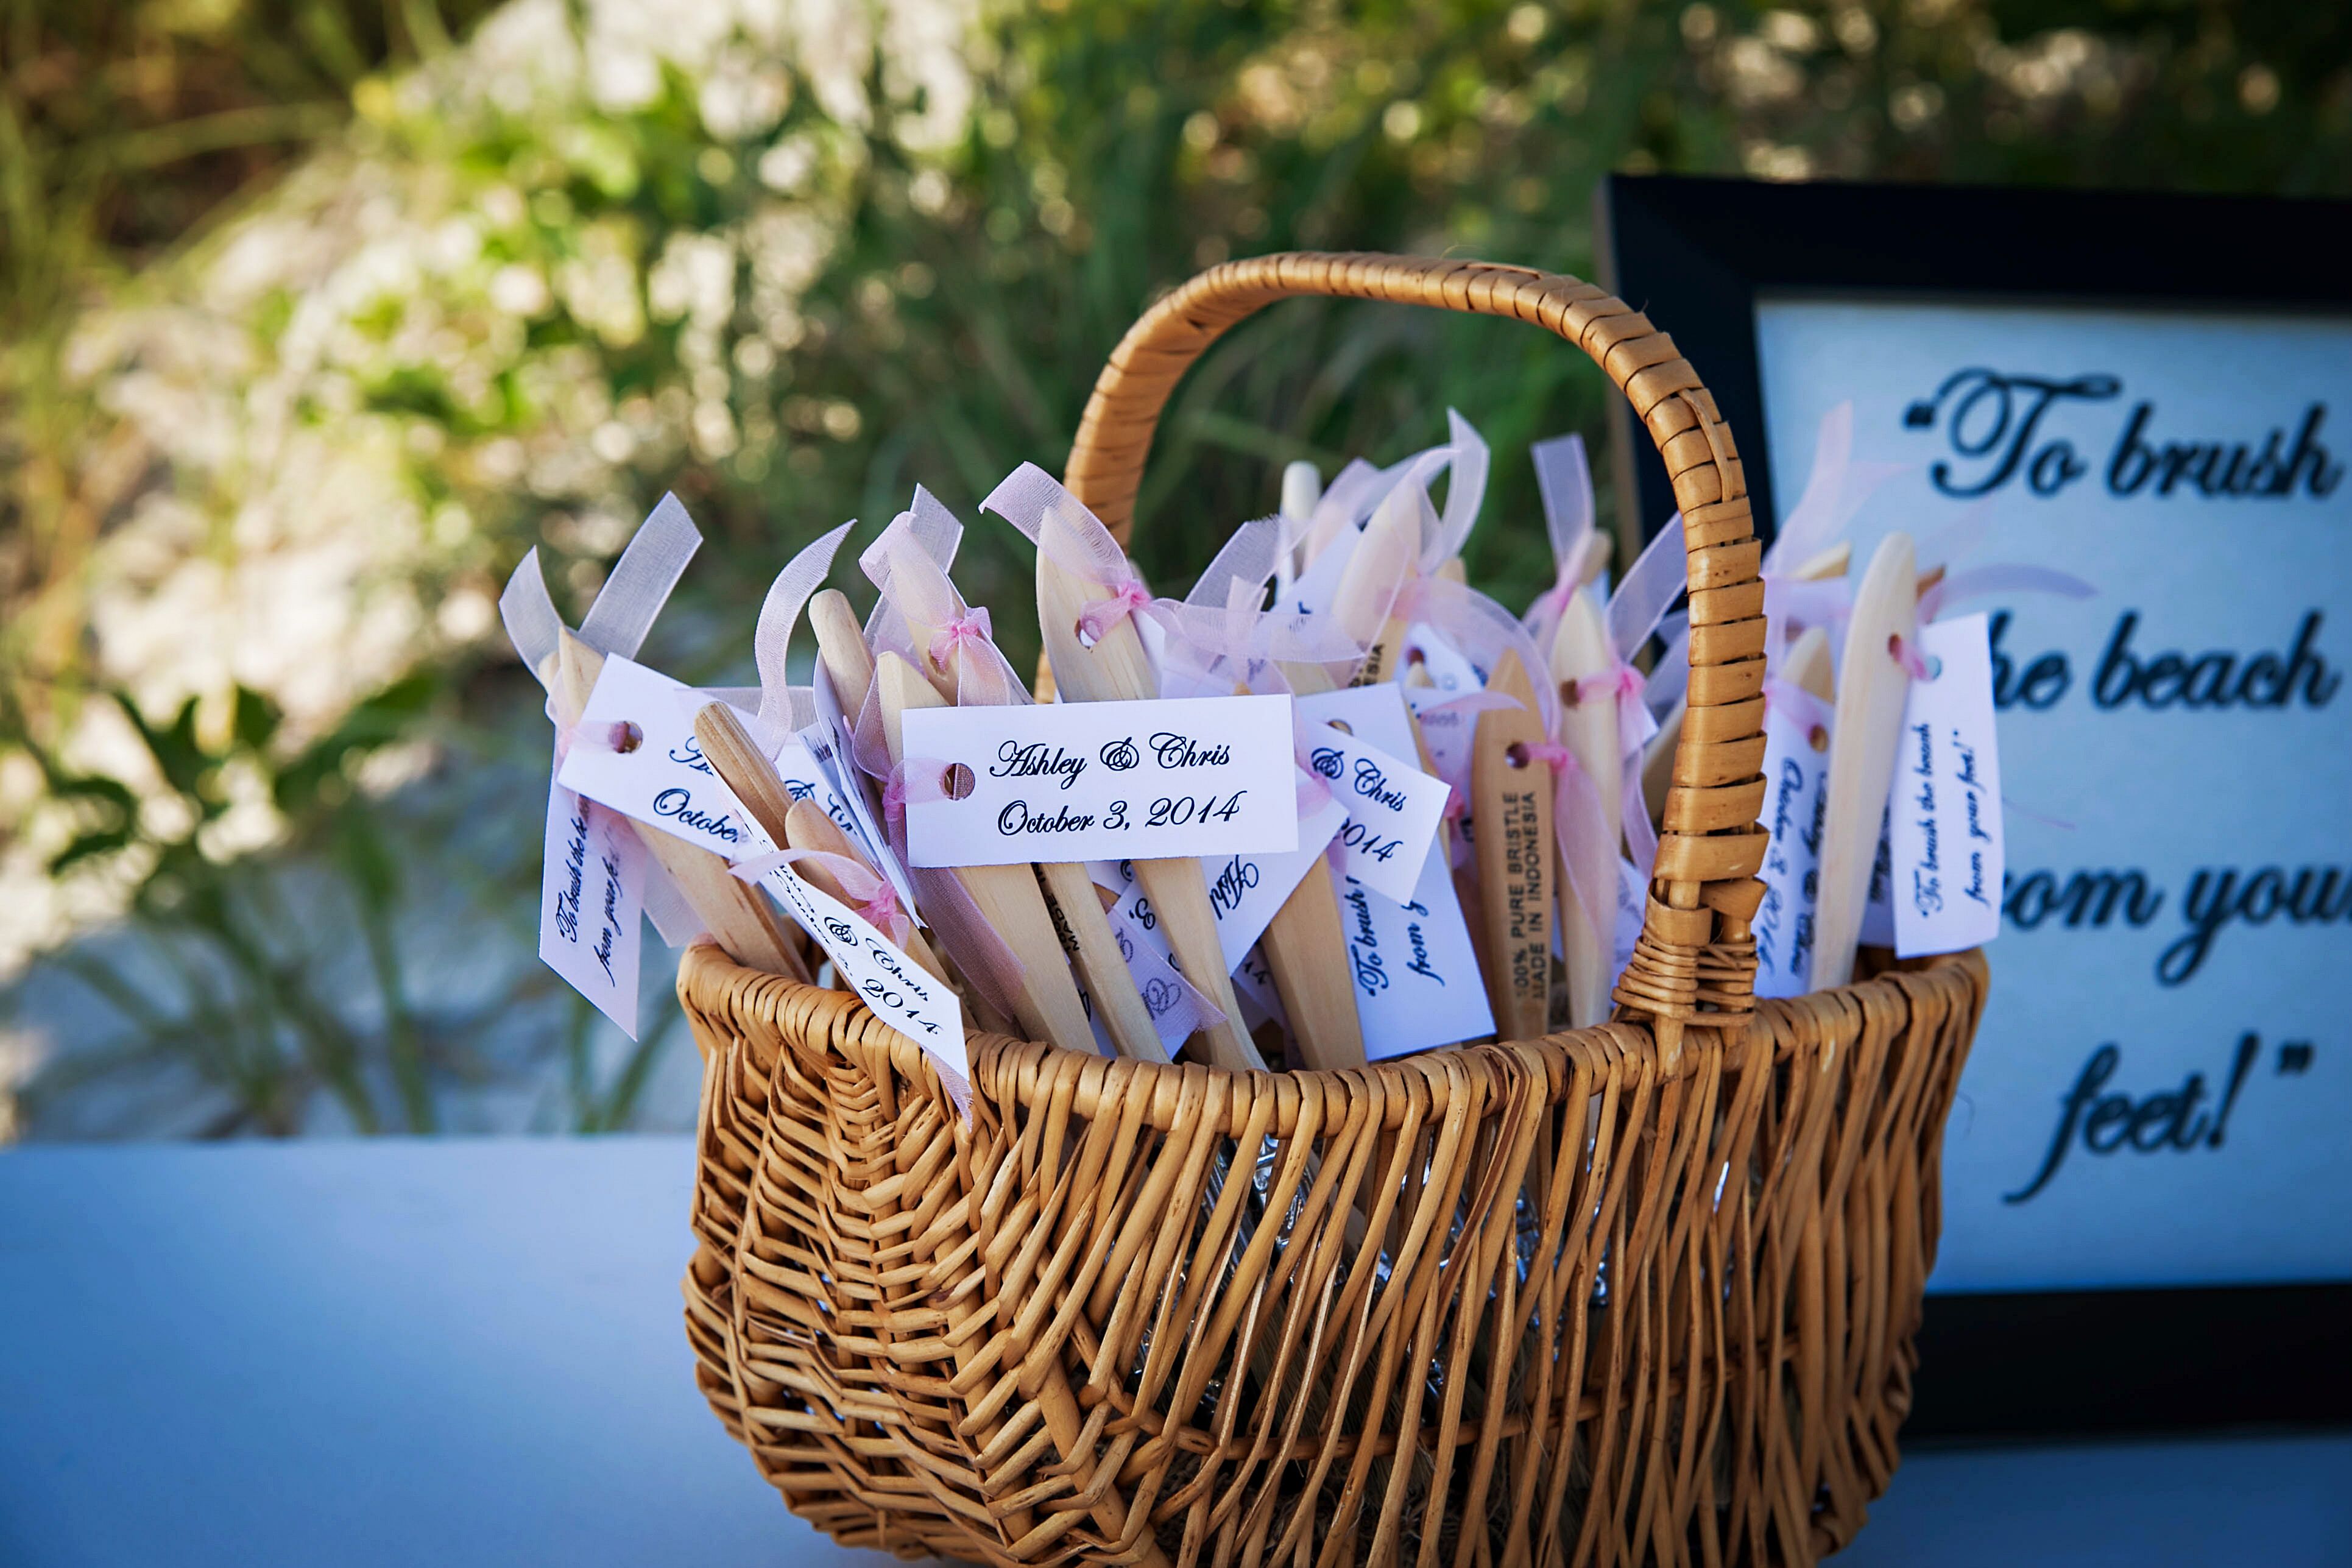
column 967, row 630
column 1099, row 615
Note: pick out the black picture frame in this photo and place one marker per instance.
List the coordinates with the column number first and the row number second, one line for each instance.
column 1694, row 255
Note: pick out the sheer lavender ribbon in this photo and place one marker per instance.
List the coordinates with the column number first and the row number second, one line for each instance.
column 616, row 623
column 925, row 606
column 1654, row 581
column 1564, row 481
column 1588, row 843
column 1356, row 491
column 1344, row 504
column 1967, row 532
column 1668, row 681
column 959, row 634
column 1457, row 781
column 1221, row 634
column 1468, row 460
column 2001, row 577
column 1483, row 630
column 868, row 891
column 1801, row 708
column 935, row 530
column 783, row 707
column 1073, row 538
column 1834, row 492
column 1914, row 664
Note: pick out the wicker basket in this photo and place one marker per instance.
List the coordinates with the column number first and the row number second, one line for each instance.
column 1638, row 1293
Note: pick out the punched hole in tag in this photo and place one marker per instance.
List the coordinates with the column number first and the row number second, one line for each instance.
column 1926, row 669
column 957, row 782
column 627, row 737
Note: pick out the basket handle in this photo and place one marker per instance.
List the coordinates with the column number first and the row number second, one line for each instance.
column 1695, row 963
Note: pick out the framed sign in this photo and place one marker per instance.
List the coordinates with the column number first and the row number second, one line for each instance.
column 2148, row 1177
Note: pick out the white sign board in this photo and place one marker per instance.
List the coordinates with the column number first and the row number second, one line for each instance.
column 2159, row 1091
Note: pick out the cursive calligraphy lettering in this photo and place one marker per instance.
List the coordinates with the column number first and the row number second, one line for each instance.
column 1175, row 750
column 678, row 805
column 1036, row 759
column 2164, row 1120
column 1017, row 818
column 1372, row 784
column 1237, row 876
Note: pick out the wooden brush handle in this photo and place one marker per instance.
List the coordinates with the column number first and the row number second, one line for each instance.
column 1696, row 964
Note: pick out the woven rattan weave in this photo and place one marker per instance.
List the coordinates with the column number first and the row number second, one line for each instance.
column 1642, row 1293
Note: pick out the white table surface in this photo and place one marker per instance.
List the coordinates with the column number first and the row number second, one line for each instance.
column 457, row 1352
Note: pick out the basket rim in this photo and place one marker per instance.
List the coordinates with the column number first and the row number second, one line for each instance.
column 1164, row 1094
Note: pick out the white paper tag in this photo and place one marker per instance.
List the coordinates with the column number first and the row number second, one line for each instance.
column 662, row 779
column 1449, row 669
column 804, row 777
column 1447, row 734
column 591, row 892
column 1155, row 780
column 1149, row 959
column 1247, row 891
column 900, row 992
column 1796, row 797
column 1944, row 806
column 832, row 741
column 809, row 766
column 1416, row 975
column 1393, row 808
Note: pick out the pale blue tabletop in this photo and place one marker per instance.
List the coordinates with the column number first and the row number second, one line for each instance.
column 470, row 1353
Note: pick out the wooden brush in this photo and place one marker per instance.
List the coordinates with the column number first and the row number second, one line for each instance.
column 1302, row 486
column 1045, row 998
column 1589, row 730
column 1117, row 669
column 1511, row 802
column 742, row 767
column 739, row 917
column 841, row 646
column 1365, row 601
column 849, row 664
column 1075, row 904
column 790, row 824
column 1872, row 684
column 1302, row 944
